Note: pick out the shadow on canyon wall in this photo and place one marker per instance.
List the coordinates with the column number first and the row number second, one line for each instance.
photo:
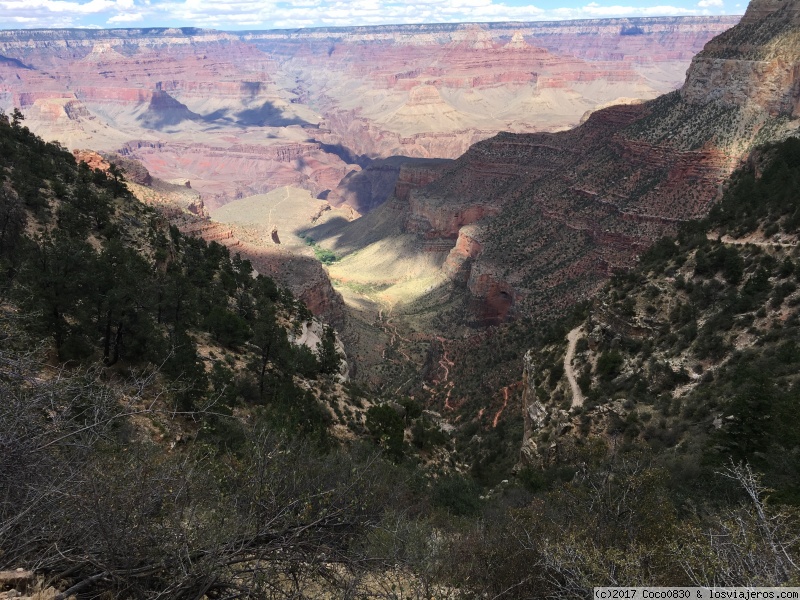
column 165, row 111
column 346, row 154
column 324, row 230
column 13, row 62
column 376, row 182
column 267, row 115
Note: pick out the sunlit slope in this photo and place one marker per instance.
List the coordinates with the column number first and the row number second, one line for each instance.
column 281, row 213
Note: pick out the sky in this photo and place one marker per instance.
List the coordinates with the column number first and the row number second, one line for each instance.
column 277, row 14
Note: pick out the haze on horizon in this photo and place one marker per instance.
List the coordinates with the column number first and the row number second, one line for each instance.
column 278, row 14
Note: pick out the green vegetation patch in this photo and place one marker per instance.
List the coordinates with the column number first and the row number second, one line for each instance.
column 326, row 257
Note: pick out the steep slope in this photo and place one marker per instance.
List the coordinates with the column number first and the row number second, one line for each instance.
column 695, row 350
column 104, row 278
column 245, row 227
column 528, row 224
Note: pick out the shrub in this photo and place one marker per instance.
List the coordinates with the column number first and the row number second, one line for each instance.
column 609, row 365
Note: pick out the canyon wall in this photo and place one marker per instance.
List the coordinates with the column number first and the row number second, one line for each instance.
column 585, row 202
column 529, row 224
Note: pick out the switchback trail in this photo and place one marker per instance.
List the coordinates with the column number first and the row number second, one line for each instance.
column 394, row 335
column 572, row 339
column 445, row 363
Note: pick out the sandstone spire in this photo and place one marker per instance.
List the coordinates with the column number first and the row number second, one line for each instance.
column 517, row 42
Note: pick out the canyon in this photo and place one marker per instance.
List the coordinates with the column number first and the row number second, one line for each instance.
column 527, row 224
column 524, row 226
column 208, row 123
column 433, row 163
column 241, row 114
column 656, row 411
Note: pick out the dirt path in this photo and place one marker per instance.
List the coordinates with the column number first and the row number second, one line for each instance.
column 394, row 335
column 445, row 363
column 502, row 408
column 281, row 201
column 726, row 239
column 572, row 339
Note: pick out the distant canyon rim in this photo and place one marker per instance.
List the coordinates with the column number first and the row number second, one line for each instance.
column 240, row 114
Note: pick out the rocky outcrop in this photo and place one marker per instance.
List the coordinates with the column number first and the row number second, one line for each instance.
column 416, row 175
column 710, row 77
column 311, row 335
column 468, row 246
column 91, row 158
column 133, row 170
column 533, row 412
column 492, row 300
column 434, row 219
column 754, row 67
column 210, row 232
column 315, row 291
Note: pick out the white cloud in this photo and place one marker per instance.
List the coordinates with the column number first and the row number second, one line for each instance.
column 59, row 13
column 265, row 14
column 57, row 6
column 597, row 11
column 125, row 18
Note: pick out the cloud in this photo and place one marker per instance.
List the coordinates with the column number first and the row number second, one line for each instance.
column 57, row 6
column 59, row 13
column 339, row 13
column 125, row 18
column 593, row 10
column 266, row 14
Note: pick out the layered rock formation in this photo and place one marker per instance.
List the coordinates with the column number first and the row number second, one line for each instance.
column 751, row 66
column 251, row 236
column 433, row 90
column 242, row 114
column 531, row 223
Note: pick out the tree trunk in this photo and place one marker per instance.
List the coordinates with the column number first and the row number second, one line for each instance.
column 117, row 343
column 107, row 340
column 265, row 352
